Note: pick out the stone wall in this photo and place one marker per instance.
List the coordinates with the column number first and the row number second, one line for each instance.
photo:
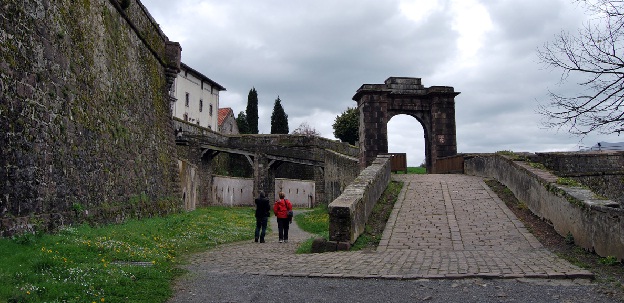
column 601, row 171
column 340, row 170
column 595, row 223
column 329, row 164
column 85, row 127
column 349, row 212
column 189, row 181
column 295, row 171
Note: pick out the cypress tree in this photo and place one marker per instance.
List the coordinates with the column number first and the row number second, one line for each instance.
column 279, row 118
column 241, row 122
column 252, row 111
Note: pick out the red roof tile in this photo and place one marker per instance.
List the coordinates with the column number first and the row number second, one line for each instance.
column 223, row 113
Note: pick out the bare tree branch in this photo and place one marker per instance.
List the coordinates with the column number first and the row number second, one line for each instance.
column 596, row 55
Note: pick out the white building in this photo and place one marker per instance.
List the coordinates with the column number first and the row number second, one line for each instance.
column 195, row 98
column 601, row 146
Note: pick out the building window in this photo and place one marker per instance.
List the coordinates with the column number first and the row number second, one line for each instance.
column 201, row 105
column 210, row 110
column 185, row 117
column 186, row 103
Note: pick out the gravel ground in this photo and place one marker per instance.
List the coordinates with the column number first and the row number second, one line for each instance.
column 201, row 286
column 255, row 288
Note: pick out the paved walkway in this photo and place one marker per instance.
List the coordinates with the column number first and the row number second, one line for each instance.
column 442, row 227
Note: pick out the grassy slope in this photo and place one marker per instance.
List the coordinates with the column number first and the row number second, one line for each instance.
column 82, row 264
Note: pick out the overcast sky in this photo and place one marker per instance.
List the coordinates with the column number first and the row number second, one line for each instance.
column 316, row 54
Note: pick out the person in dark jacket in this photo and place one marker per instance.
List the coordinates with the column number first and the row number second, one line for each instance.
column 281, row 209
column 263, row 210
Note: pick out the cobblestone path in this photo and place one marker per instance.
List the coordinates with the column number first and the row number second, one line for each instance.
column 442, row 227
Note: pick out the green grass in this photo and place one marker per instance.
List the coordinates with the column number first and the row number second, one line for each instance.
column 316, row 222
column 379, row 216
column 81, row 264
column 414, row 170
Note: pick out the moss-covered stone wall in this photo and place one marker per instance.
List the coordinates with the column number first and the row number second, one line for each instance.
column 85, row 124
column 602, row 172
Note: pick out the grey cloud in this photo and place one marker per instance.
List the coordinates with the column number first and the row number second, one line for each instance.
column 316, row 54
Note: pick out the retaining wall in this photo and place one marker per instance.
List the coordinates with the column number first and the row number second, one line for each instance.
column 594, row 225
column 349, row 212
column 85, row 124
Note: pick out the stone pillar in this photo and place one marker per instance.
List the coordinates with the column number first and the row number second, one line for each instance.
column 319, row 186
column 205, row 176
column 443, row 126
column 373, row 128
column 264, row 177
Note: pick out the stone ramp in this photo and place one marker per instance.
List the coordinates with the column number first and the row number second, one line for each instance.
column 442, row 227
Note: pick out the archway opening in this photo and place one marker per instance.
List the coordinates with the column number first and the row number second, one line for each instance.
column 406, row 135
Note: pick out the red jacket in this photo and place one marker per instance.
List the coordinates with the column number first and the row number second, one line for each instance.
column 281, row 208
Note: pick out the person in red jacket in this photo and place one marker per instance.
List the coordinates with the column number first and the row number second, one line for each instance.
column 281, row 208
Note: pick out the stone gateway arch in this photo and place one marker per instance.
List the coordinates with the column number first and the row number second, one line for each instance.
column 433, row 107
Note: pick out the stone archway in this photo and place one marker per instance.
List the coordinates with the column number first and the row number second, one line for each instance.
column 433, row 107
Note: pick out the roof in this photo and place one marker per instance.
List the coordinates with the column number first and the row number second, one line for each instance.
column 223, row 114
column 608, row 146
column 201, row 76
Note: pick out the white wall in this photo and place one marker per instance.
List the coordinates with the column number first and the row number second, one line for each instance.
column 299, row 192
column 230, row 191
column 185, row 83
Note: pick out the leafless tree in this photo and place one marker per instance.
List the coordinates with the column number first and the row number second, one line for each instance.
column 305, row 129
column 594, row 54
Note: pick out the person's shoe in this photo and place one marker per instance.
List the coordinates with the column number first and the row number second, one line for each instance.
column 261, row 240
column 281, row 241
column 256, row 240
column 285, row 241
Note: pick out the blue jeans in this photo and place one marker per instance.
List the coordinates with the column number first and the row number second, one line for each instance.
column 261, row 223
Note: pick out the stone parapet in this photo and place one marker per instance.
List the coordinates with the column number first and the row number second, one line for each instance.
column 349, row 212
column 583, row 163
column 594, row 222
column 601, row 171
